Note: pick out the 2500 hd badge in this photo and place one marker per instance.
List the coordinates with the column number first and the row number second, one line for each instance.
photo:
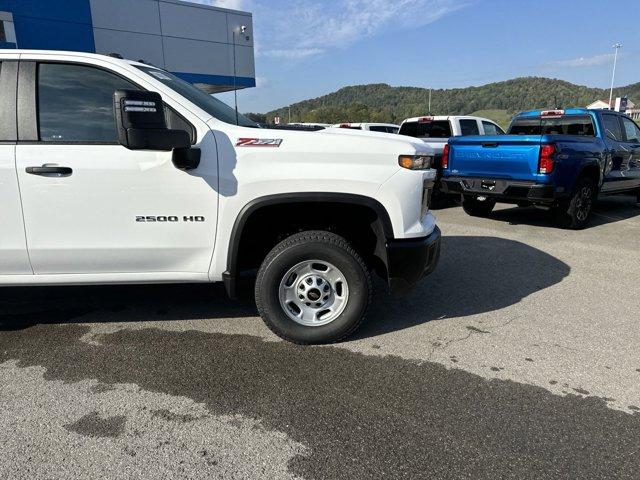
column 169, row 218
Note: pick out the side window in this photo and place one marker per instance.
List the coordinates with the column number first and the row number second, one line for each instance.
column 631, row 130
column 612, row 127
column 175, row 121
column 469, row 127
column 491, row 129
column 75, row 103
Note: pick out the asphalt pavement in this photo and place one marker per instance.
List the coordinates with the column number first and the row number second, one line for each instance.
column 518, row 358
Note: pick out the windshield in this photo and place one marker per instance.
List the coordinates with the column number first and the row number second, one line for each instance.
column 209, row 104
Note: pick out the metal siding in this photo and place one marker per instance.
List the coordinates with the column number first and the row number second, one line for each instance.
column 136, row 46
column 234, row 22
column 185, row 21
column 37, row 33
column 216, row 55
column 140, row 16
column 74, row 11
column 243, row 82
column 196, row 41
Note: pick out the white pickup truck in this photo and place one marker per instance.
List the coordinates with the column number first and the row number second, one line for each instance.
column 435, row 131
column 114, row 171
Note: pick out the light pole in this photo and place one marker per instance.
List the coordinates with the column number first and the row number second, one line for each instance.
column 243, row 29
column 289, row 114
column 617, row 47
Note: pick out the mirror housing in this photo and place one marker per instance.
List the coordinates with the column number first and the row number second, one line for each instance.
column 141, row 122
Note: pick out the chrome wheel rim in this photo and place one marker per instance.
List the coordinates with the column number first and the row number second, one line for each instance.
column 313, row 293
column 583, row 205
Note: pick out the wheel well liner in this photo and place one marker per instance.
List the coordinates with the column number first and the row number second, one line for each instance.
column 383, row 220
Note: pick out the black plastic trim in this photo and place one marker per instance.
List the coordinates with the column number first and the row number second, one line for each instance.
column 230, row 277
column 409, row 260
column 8, row 86
column 27, row 106
column 512, row 190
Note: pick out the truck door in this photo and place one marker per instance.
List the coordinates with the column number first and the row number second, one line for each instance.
column 13, row 247
column 631, row 134
column 617, row 154
column 93, row 206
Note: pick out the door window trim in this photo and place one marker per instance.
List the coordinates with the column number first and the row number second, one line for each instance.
column 27, row 112
column 8, row 87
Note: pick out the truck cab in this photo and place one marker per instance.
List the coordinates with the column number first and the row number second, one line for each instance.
column 114, row 171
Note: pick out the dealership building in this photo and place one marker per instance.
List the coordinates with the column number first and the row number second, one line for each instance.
column 208, row 46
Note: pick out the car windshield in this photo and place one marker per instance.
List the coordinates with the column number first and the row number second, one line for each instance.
column 209, row 104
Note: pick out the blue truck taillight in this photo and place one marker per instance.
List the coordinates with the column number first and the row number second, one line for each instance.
column 546, row 161
column 444, row 160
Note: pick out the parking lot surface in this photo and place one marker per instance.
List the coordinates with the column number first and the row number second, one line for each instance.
column 518, row 358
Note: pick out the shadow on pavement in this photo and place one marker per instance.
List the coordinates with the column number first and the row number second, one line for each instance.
column 475, row 275
column 606, row 210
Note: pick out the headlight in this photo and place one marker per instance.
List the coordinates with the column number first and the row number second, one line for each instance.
column 416, row 162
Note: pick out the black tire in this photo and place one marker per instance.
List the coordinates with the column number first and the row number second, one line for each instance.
column 476, row 208
column 574, row 213
column 301, row 247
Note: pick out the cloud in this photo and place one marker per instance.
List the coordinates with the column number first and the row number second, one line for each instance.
column 292, row 54
column 309, row 27
column 593, row 61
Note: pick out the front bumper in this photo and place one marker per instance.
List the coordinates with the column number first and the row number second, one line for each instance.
column 410, row 260
column 500, row 189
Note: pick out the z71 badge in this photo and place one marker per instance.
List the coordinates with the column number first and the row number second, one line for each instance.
column 259, row 142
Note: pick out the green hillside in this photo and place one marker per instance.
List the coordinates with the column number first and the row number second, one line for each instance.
column 383, row 103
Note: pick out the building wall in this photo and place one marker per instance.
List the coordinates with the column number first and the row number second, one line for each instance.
column 194, row 41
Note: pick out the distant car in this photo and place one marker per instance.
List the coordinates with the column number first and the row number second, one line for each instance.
column 435, row 131
column 372, row 127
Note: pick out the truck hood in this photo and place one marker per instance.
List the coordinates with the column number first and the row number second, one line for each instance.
column 331, row 142
column 328, row 161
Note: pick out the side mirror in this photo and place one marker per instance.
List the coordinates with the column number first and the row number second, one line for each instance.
column 141, row 122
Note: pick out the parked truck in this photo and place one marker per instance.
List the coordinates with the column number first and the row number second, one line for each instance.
column 558, row 159
column 435, row 131
column 113, row 171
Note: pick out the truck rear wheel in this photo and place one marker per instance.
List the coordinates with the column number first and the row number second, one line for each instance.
column 312, row 288
column 574, row 213
column 477, row 208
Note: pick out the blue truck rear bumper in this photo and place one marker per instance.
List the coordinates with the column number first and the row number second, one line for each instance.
column 504, row 190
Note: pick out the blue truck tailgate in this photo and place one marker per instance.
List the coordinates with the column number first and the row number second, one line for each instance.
column 501, row 156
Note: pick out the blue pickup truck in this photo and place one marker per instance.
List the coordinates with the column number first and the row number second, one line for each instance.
column 561, row 159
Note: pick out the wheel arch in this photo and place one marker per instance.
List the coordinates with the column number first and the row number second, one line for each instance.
column 381, row 227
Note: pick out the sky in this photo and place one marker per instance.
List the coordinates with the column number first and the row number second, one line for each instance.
column 308, row 48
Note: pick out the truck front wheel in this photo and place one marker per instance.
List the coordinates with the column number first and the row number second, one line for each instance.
column 477, row 208
column 313, row 287
column 574, row 213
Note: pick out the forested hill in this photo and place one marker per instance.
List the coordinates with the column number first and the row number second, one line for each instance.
column 383, row 103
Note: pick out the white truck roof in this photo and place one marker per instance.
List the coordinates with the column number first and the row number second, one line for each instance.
column 446, row 117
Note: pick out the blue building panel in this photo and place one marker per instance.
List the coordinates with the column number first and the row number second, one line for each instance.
column 34, row 33
column 75, row 11
column 199, row 46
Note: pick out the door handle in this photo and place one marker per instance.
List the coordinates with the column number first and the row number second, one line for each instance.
column 53, row 170
column 489, row 144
